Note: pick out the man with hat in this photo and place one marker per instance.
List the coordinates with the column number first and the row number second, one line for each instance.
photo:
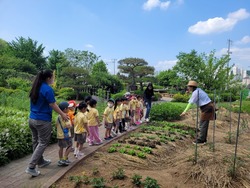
column 200, row 98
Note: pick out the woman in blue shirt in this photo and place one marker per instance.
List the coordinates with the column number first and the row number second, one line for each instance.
column 42, row 101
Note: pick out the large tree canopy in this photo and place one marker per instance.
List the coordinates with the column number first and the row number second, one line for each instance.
column 211, row 72
column 57, row 60
column 134, row 69
column 28, row 49
column 83, row 59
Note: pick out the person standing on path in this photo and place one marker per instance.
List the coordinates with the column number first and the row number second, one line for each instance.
column 93, row 124
column 64, row 136
column 42, row 101
column 148, row 95
column 200, row 98
column 81, row 128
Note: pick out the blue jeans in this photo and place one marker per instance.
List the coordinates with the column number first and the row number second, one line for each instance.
column 148, row 108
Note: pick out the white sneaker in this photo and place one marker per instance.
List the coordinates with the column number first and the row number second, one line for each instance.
column 79, row 154
column 147, row 120
column 87, row 140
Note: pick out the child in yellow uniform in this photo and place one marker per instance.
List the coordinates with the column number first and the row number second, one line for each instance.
column 81, row 128
column 72, row 105
column 138, row 110
column 63, row 136
column 141, row 102
column 108, row 119
column 132, row 104
column 93, row 124
column 117, row 116
column 125, row 114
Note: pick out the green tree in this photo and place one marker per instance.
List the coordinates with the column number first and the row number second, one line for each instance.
column 100, row 75
column 74, row 77
column 56, row 59
column 131, row 69
column 209, row 71
column 28, row 49
column 4, row 46
column 167, row 78
column 83, row 59
column 142, row 72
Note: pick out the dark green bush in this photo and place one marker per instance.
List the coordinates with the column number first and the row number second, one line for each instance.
column 167, row 111
column 83, row 95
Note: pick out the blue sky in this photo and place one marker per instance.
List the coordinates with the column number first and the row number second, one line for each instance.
column 154, row 30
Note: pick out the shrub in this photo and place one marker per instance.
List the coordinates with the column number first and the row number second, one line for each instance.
column 119, row 174
column 180, row 98
column 82, row 95
column 15, row 135
column 98, row 182
column 136, row 179
column 150, row 183
column 167, row 111
column 18, row 83
column 67, row 93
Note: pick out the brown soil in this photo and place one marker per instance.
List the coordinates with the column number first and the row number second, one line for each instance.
column 173, row 164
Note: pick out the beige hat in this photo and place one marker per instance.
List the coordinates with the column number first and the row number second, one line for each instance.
column 192, row 83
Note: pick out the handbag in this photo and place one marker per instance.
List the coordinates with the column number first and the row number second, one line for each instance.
column 65, row 131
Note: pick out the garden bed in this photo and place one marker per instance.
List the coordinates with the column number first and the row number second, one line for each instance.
column 163, row 156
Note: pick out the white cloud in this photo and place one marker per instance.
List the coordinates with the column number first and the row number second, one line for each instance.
column 165, row 65
column 89, row 46
column 239, row 56
column 219, row 24
column 244, row 40
column 150, row 4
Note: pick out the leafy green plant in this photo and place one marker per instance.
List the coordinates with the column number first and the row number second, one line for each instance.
column 116, row 145
column 122, row 150
column 112, row 149
column 150, row 183
column 98, row 182
column 76, row 179
column 137, row 147
column 136, row 179
column 119, row 174
column 131, row 152
column 147, row 150
column 141, row 155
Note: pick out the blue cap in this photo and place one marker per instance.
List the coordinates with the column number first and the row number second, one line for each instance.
column 63, row 105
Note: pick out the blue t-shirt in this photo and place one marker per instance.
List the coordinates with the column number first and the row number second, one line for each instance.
column 42, row 110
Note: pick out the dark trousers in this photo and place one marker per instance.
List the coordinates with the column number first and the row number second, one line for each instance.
column 41, row 133
column 203, row 130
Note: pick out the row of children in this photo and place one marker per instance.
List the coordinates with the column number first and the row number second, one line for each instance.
column 83, row 124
